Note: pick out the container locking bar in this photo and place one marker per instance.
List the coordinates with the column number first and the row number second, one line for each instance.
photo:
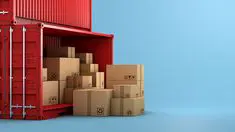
column 11, row 78
column 24, row 78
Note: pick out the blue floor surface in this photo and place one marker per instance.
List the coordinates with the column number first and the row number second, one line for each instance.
column 150, row 122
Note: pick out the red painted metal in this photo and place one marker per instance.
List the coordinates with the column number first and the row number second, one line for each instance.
column 37, row 37
column 74, row 13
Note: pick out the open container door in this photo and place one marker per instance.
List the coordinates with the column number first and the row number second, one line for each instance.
column 21, row 59
column 21, row 72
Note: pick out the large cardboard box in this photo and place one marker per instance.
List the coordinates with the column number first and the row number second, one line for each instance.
column 126, row 91
column 61, row 87
column 101, row 102
column 94, row 102
column 140, row 84
column 97, row 79
column 50, row 92
column 68, row 95
column 86, row 58
column 125, row 72
column 81, row 102
column 88, row 68
column 68, row 52
column 127, row 106
column 60, row 68
column 44, row 74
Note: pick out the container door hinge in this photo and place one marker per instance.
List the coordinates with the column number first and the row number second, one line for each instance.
column 3, row 12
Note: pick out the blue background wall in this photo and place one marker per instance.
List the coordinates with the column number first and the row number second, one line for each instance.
column 187, row 47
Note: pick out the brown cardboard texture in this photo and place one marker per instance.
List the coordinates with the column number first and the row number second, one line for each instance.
column 50, row 92
column 97, row 79
column 83, row 82
column 81, row 102
column 44, row 74
column 68, row 52
column 86, row 58
column 60, row 68
column 62, row 86
column 140, row 84
column 88, row 68
column 101, row 102
column 68, row 95
column 73, row 52
column 126, row 91
column 125, row 72
column 70, row 82
column 127, row 106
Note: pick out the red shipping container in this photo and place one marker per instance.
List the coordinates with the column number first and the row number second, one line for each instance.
column 21, row 55
column 75, row 13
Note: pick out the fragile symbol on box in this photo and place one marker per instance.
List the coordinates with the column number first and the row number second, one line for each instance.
column 129, row 113
column 129, row 77
column 100, row 111
column 142, row 111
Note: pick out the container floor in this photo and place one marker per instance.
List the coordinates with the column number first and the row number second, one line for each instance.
column 172, row 120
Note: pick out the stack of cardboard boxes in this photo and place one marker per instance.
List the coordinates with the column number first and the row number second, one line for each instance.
column 50, row 90
column 89, row 99
column 60, row 63
column 127, row 82
column 82, row 84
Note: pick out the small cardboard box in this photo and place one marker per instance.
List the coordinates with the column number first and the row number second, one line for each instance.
column 94, row 102
column 97, row 79
column 110, row 84
column 126, row 91
column 80, row 82
column 60, row 68
column 44, row 74
column 68, row 95
column 88, row 68
column 86, row 58
column 68, row 52
column 125, row 72
column 127, row 106
column 81, row 102
column 50, row 92
column 101, row 102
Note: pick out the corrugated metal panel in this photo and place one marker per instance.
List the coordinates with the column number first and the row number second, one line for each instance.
column 75, row 13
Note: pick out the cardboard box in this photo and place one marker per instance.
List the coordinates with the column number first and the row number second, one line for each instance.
column 127, row 106
column 44, row 74
column 61, row 52
column 73, row 54
column 101, row 102
column 86, row 58
column 94, row 102
column 81, row 102
column 97, row 79
column 126, row 91
column 60, row 68
column 125, row 72
column 61, row 87
column 80, row 82
column 88, row 68
column 68, row 95
column 50, row 92
column 110, row 84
